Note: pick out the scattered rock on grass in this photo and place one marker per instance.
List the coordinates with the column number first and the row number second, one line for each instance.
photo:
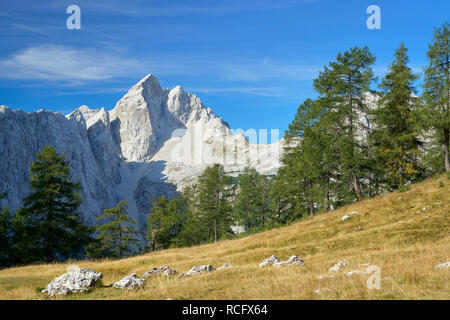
column 73, row 281
column 356, row 272
column 339, row 265
column 323, row 277
column 271, row 260
column 319, row 291
column 346, row 217
column 130, row 282
column 226, row 265
column 161, row 271
column 199, row 270
column 293, row 261
column 443, row 265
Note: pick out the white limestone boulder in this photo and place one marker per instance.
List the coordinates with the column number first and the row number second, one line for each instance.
column 345, row 218
column 340, row 264
column 293, row 261
column 199, row 270
column 443, row 265
column 269, row 261
column 74, row 281
column 161, row 271
column 130, row 282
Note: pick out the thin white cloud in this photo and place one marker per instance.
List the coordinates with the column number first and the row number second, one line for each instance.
column 63, row 63
column 266, row 69
column 138, row 8
column 259, row 91
column 29, row 28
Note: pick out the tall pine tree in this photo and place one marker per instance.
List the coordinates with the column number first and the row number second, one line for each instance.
column 395, row 132
column 342, row 86
column 250, row 203
column 165, row 222
column 50, row 222
column 436, row 91
column 117, row 237
column 6, row 237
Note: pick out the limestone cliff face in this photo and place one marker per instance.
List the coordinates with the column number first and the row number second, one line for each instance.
column 22, row 135
column 153, row 142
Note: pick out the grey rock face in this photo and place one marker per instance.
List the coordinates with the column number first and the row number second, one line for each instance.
column 292, row 261
column 73, row 281
column 161, row 271
column 269, row 261
column 130, row 282
column 152, row 143
column 22, row 136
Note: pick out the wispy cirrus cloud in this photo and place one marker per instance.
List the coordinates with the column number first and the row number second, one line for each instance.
column 29, row 28
column 259, row 91
column 64, row 63
column 138, row 8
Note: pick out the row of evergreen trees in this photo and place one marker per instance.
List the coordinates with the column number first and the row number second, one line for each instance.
column 341, row 147
column 352, row 147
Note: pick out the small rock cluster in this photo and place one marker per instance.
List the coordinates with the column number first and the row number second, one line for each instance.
column 199, row 270
column 443, row 265
column 346, row 217
column 275, row 262
column 268, row 261
column 130, row 282
column 356, row 272
column 74, row 281
column 293, row 261
column 319, row 291
column 224, row 266
column 161, row 271
column 339, row 265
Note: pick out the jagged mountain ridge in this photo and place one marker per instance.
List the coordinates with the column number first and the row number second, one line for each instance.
column 152, row 142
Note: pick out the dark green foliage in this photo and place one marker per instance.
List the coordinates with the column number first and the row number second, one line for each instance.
column 117, row 237
column 250, row 205
column 6, row 237
column 395, row 136
column 209, row 216
column 436, row 92
column 165, row 222
column 48, row 226
column 341, row 87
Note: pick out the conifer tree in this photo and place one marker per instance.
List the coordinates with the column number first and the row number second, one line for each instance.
column 250, row 203
column 395, row 132
column 6, row 237
column 214, row 193
column 49, row 220
column 342, row 86
column 436, row 91
column 117, row 237
column 209, row 213
column 165, row 222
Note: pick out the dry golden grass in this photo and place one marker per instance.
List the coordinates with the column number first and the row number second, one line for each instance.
column 397, row 235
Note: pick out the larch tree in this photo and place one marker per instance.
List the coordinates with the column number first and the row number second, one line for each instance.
column 396, row 135
column 436, row 91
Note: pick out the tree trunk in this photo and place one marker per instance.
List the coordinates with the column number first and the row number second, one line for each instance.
column 311, row 209
column 356, row 186
column 446, row 149
column 311, row 203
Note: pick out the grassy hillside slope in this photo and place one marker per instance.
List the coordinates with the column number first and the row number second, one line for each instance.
column 401, row 237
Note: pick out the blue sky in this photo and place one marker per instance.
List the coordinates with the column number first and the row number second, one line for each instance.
column 252, row 62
